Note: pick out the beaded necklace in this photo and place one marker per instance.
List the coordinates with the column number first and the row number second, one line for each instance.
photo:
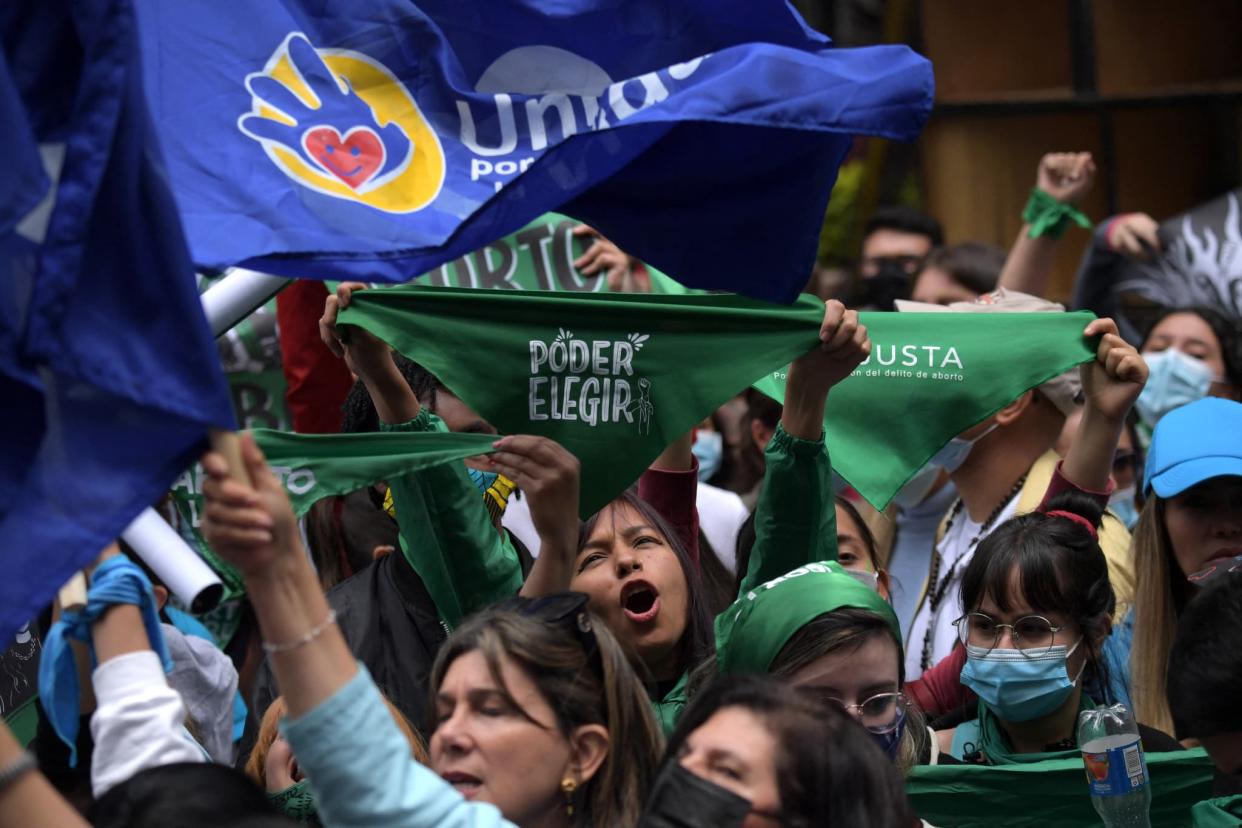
column 939, row 586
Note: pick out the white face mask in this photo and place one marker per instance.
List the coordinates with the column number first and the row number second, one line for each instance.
column 954, row 454
column 916, row 488
column 1174, row 380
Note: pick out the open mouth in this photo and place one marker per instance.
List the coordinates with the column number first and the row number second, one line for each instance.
column 465, row 784
column 640, row 601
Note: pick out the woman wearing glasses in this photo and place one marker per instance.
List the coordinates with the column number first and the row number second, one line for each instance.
column 1036, row 606
column 828, row 632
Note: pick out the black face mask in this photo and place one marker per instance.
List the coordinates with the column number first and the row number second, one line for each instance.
column 679, row 799
column 879, row 292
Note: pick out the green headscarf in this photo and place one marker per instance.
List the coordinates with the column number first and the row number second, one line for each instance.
column 756, row 627
column 995, row 744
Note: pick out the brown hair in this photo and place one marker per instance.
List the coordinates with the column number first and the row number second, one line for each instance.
column 581, row 693
column 1160, row 593
column 256, row 765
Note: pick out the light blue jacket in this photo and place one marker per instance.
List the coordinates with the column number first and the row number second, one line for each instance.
column 361, row 771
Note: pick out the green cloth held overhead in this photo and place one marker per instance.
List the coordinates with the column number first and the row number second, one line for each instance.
column 314, row 466
column 1053, row 792
column 757, row 626
column 930, row 377
column 617, row 378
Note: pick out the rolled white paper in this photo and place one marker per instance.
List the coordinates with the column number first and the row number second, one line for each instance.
column 236, row 296
column 171, row 558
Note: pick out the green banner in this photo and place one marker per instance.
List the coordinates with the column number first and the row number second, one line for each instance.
column 616, row 378
column 1049, row 793
column 540, row 256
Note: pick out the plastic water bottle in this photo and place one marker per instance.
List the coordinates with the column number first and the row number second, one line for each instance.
column 1116, row 767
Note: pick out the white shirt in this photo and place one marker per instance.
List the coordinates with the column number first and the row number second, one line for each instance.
column 955, row 552
column 139, row 721
column 721, row 515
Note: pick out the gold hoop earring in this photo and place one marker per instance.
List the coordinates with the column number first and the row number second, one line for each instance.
column 568, row 786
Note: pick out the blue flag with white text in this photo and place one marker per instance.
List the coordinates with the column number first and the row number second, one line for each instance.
column 378, row 139
column 109, row 377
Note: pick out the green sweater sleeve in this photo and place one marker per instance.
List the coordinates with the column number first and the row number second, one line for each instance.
column 448, row 537
column 796, row 516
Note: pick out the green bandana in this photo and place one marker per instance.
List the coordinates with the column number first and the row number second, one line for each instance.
column 1052, row 792
column 1050, row 217
column 315, row 466
column 752, row 632
column 613, row 378
column 931, row 376
column 617, row 378
column 296, row 802
column 1223, row 812
column 995, row 744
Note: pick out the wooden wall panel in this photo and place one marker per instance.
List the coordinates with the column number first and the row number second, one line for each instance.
column 979, row 171
column 1142, row 45
column 1166, row 159
column 996, row 49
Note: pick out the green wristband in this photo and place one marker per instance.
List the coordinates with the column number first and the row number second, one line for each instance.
column 1049, row 217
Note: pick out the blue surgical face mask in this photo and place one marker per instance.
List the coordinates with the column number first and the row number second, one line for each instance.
column 890, row 742
column 1018, row 687
column 954, row 454
column 709, row 448
column 916, row 488
column 481, row 479
column 1174, row 379
column 1121, row 504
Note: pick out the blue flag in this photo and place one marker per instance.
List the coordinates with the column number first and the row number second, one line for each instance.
column 108, row 374
column 377, row 139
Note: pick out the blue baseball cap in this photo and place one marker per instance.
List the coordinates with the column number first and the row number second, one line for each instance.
column 1193, row 443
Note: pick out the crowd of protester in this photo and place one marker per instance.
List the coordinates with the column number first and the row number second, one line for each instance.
column 736, row 640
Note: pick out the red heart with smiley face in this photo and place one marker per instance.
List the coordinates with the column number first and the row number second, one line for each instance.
column 353, row 157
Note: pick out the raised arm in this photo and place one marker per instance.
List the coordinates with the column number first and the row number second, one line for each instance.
column 1061, row 182
column 795, row 518
column 335, row 712
column 1110, row 386
column 447, row 534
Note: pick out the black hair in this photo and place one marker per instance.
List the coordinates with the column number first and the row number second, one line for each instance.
column 828, row 769
column 1060, row 567
column 974, row 265
column 746, row 540
column 1205, row 664
column 698, row 641
column 188, row 795
column 864, row 531
column 905, row 219
column 761, row 407
column 1227, row 336
column 358, row 411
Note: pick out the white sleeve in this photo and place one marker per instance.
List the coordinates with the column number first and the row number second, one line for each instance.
column 139, row 721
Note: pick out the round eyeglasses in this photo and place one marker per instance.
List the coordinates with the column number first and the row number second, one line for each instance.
column 1033, row 635
column 881, row 713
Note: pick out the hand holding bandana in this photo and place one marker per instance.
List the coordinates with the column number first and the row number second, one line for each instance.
column 615, row 379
